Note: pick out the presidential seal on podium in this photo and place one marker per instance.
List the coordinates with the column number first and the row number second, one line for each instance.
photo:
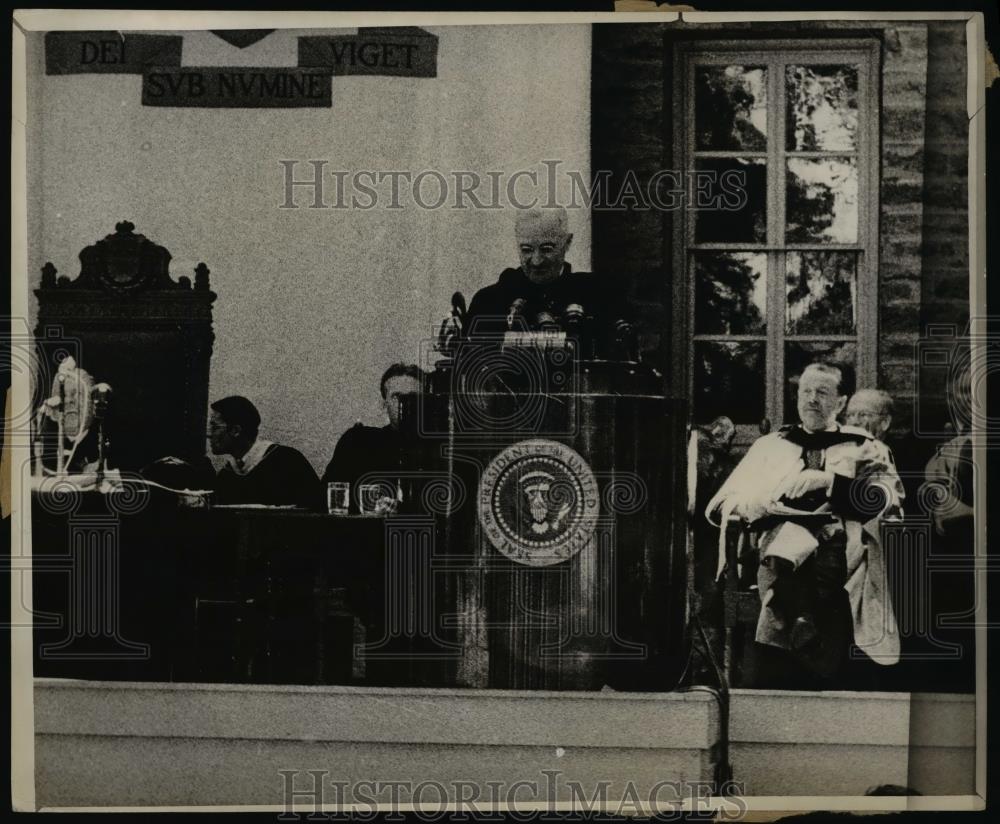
column 538, row 502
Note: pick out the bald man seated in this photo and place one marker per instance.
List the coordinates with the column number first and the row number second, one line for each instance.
column 544, row 291
column 871, row 409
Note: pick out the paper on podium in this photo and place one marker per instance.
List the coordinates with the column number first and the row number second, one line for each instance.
column 538, row 340
column 256, row 506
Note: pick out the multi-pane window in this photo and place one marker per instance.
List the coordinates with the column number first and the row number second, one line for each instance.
column 785, row 274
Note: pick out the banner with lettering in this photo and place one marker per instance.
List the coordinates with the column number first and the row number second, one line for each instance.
column 401, row 52
column 237, row 87
column 109, row 52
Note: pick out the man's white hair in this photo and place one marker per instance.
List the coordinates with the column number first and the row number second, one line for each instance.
column 878, row 399
column 556, row 216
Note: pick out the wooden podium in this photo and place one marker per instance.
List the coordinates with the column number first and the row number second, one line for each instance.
column 565, row 530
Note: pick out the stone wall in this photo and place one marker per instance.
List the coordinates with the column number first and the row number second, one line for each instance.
column 945, row 249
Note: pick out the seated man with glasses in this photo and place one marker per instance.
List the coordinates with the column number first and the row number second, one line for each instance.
column 870, row 409
column 257, row 471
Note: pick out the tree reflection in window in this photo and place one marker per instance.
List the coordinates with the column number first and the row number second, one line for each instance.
column 730, row 108
column 820, row 292
column 788, row 277
column 723, row 177
column 729, row 380
column 730, row 292
column 822, row 200
column 821, row 108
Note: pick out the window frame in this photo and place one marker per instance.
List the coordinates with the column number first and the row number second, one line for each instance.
column 775, row 54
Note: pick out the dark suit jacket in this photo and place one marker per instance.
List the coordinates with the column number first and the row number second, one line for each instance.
column 490, row 305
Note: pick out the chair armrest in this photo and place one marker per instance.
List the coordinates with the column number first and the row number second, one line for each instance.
column 735, row 528
column 739, row 606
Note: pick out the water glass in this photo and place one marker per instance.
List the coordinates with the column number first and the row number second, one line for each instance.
column 338, row 497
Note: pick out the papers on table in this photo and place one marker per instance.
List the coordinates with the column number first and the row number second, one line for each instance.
column 256, row 506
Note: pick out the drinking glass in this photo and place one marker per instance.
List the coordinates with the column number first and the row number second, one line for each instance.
column 338, row 497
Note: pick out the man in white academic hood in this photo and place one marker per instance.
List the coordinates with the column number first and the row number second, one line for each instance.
column 818, row 492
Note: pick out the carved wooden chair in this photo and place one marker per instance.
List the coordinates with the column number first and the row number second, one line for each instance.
column 130, row 324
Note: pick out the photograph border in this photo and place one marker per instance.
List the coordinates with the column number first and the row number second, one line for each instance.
column 42, row 20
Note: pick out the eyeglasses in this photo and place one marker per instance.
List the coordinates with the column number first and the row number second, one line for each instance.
column 865, row 415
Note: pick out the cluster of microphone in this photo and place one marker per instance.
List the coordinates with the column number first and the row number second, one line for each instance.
column 574, row 321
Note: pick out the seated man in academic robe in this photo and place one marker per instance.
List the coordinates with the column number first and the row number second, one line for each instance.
column 817, row 492
column 383, row 456
column 398, row 465
column 257, row 471
column 872, row 410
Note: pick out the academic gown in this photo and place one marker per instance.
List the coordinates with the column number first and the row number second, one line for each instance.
column 280, row 476
column 751, row 493
column 375, row 455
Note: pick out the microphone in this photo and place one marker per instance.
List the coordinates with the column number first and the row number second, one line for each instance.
column 453, row 326
column 60, row 425
column 626, row 339
column 458, row 307
column 574, row 322
column 574, row 313
column 516, row 310
column 458, row 313
column 101, row 398
column 546, row 321
column 573, row 318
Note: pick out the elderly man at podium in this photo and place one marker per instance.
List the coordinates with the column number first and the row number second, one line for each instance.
column 544, row 293
column 817, row 492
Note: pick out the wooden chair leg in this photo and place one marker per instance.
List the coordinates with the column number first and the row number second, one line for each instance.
column 727, row 655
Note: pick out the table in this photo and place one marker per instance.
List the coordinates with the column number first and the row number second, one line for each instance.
column 284, row 596
column 142, row 589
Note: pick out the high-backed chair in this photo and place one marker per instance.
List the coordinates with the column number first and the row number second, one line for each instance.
column 131, row 325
